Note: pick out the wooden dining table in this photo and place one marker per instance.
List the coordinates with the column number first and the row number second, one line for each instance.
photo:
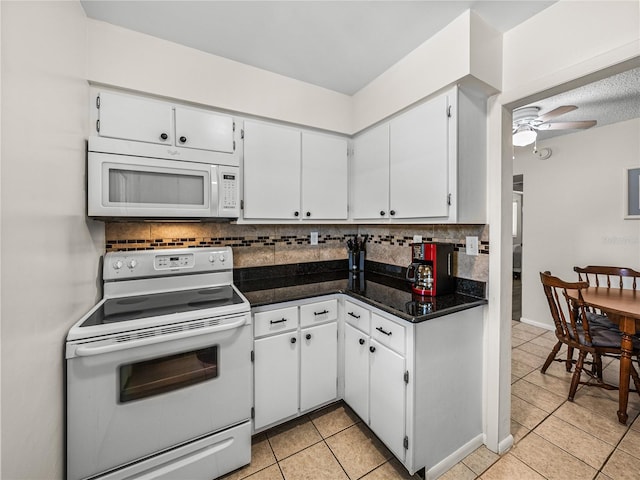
column 622, row 306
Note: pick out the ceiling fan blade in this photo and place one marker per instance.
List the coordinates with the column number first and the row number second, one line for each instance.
column 556, row 112
column 568, row 125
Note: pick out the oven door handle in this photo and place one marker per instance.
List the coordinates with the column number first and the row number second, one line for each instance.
column 88, row 350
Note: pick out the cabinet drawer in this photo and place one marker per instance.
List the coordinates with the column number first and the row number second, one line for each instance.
column 387, row 333
column 318, row 312
column 357, row 316
column 275, row 321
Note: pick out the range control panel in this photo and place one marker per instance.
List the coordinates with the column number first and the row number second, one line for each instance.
column 174, row 261
column 157, row 263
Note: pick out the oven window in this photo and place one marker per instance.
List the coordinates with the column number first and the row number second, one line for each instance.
column 160, row 375
column 136, row 186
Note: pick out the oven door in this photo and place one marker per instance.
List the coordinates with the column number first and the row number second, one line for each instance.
column 139, row 393
column 128, row 186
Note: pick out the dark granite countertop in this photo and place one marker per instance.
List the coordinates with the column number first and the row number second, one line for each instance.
column 388, row 293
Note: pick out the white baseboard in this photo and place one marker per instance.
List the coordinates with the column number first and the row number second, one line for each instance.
column 505, row 445
column 546, row 326
column 445, row 465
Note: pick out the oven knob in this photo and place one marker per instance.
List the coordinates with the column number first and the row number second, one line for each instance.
column 132, row 264
column 212, row 258
column 117, row 265
column 222, row 259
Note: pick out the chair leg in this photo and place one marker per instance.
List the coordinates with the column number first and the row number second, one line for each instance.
column 597, row 360
column 569, row 358
column 575, row 379
column 636, row 379
column 551, row 357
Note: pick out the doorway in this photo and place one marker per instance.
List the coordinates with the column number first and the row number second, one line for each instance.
column 518, row 196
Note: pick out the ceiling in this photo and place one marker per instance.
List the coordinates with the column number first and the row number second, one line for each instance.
column 344, row 45
column 339, row 45
column 610, row 100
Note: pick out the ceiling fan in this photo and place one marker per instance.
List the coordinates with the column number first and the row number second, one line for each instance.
column 527, row 122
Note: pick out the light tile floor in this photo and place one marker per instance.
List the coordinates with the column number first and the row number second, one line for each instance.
column 554, row 438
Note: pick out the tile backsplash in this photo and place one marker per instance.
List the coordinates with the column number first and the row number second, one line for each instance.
column 264, row 245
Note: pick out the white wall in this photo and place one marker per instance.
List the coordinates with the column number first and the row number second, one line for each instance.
column 566, row 41
column 574, row 208
column 127, row 59
column 49, row 250
column 467, row 46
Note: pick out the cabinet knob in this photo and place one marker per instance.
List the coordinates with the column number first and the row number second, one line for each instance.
column 183, row 139
column 296, row 214
column 372, row 349
column 392, row 212
column 382, row 212
column 164, row 136
column 293, row 340
column 308, row 214
column 361, row 341
column 308, row 336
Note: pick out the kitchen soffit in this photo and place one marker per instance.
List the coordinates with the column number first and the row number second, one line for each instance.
column 338, row 45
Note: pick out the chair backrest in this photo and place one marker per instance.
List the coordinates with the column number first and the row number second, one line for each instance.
column 622, row 277
column 568, row 311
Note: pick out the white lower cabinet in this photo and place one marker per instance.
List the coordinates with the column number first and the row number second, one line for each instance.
column 318, row 365
column 295, row 360
column 356, row 371
column 276, row 371
column 387, row 392
column 418, row 386
column 374, row 374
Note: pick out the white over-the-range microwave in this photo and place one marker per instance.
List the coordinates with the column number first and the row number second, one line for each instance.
column 136, row 179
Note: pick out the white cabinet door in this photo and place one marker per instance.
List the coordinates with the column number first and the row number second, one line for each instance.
column 356, row 371
column 204, row 130
column 324, row 177
column 419, row 161
column 370, row 174
column 276, row 376
column 387, row 397
column 318, row 365
column 271, row 172
column 134, row 118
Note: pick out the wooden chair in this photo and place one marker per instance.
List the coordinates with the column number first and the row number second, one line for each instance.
column 594, row 275
column 573, row 329
column 611, row 277
column 597, row 276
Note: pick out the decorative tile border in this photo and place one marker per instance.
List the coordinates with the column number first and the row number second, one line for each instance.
column 129, row 244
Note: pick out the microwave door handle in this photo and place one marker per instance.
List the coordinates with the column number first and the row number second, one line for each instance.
column 88, row 350
column 214, row 208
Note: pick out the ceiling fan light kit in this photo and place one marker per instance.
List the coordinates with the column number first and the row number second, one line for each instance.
column 527, row 122
column 524, row 135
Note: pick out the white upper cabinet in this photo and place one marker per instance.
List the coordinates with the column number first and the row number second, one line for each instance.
column 134, row 118
column 204, row 130
column 271, row 171
column 370, row 174
column 128, row 117
column 419, row 161
column 400, row 169
column 427, row 164
column 324, row 177
column 290, row 174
